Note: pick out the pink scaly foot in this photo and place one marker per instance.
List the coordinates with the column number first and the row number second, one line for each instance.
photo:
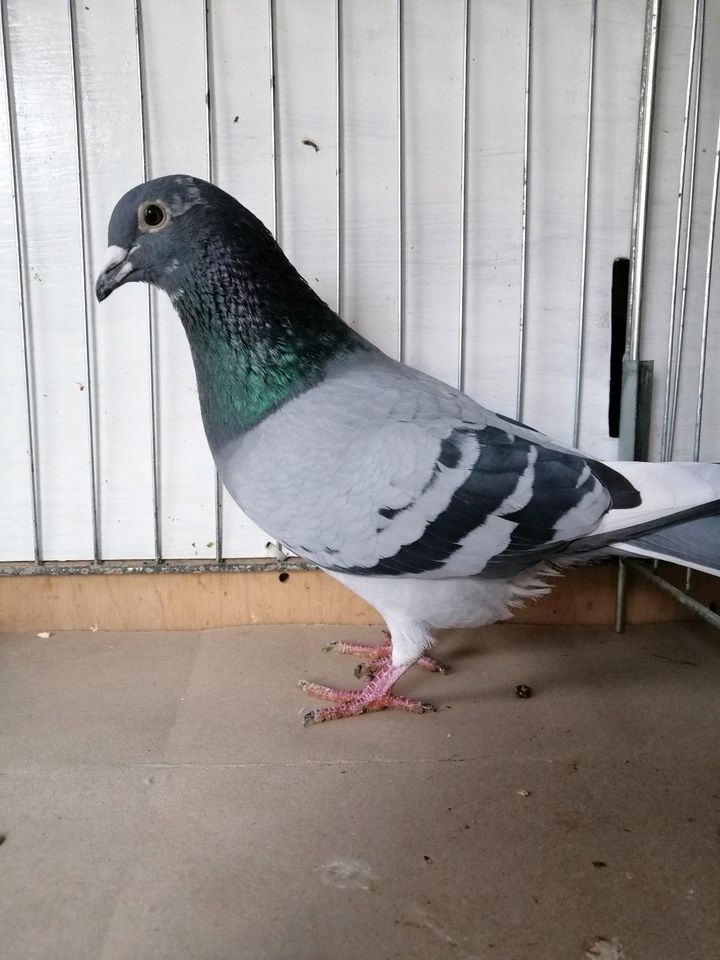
column 378, row 652
column 375, row 695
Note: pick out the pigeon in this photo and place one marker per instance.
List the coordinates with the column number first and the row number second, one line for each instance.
column 436, row 511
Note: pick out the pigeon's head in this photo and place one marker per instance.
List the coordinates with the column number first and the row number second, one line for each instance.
column 157, row 227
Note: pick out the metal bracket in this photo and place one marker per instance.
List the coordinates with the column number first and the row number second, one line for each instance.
column 682, row 597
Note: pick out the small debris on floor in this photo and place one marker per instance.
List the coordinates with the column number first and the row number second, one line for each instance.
column 45, row 634
column 523, row 793
column 523, row 691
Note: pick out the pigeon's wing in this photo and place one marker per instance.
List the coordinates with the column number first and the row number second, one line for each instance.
column 383, row 472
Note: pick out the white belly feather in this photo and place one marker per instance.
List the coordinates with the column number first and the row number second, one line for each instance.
column 412, row 608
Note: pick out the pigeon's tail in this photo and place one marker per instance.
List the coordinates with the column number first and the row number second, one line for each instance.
column 678, row 518
column 693, row 543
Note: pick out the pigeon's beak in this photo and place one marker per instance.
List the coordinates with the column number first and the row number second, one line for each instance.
column 115, row 271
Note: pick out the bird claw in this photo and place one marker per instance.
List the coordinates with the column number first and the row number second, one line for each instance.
column 327, row 713
column 349, row 709
column 309, row 718
column 378, row 655
column 370, row 651
column 375, row 695
column 433, row 665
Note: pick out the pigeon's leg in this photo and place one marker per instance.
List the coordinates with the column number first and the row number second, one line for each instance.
column 375, row 695
column 377, row 654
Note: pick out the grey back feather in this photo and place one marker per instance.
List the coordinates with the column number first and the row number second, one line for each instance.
column 382, row 470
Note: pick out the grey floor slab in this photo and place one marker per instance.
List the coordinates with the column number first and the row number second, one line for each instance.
column 160, row 798
column 88, row 698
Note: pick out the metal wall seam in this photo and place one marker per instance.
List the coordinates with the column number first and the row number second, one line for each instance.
column 585, row 226
column 677, row 355
column 88, row 332
column 152, row 353
column 339, row 119
column 463, row 198
column 523, row 229
column 642, row 175
column 23, row 298
column 706, row 300
column 210, row 163
column 664, row 453
column 400, row 187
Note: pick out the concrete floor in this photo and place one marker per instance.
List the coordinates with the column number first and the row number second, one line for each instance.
column 160, row 798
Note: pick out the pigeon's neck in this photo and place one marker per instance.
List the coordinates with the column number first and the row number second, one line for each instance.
column 257, row 341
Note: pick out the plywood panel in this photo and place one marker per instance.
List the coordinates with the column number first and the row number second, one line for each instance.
column 203, row 600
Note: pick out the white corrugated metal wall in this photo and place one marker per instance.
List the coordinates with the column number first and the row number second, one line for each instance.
column 173, row 55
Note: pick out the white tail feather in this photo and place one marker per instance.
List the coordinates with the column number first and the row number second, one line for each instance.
column 666, row 489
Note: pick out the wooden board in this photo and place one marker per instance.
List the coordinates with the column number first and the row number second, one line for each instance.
column 192, row 601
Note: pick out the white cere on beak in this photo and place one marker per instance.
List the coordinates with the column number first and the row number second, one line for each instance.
column 116, row 255
column 113, row 257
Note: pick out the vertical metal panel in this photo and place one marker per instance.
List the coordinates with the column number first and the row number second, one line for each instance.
column 669, row 386
column 273, row 118
column 675, row 348
column 524, row 224
column 88, row 332
column 400, row 188
column 484, row 221
column 241, row 148
column 152, row 351
column 209, row 144
column 368, row 171
column 642, row 177
column 463, row 197
column 338, row 157
column 23, row 299
column 177, row 143
column 306, row 104
column 706, row 300
column 628, row 410
column 432, row 139
column 620, row 596
column 586, row 207
column 272, row 49
column 207, row 62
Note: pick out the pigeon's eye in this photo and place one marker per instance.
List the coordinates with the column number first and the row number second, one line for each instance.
column 152, row 216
